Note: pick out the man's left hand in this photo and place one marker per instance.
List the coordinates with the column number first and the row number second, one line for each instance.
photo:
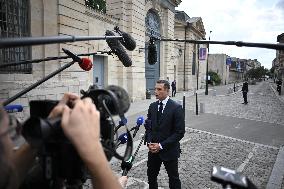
column 154, row 147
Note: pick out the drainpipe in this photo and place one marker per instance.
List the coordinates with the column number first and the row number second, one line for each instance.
column 184, row 51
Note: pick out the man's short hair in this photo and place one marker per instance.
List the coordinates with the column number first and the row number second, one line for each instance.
column 165, row 82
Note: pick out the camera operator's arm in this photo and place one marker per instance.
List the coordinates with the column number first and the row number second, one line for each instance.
column 81, row 125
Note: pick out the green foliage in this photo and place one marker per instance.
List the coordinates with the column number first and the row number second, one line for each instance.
column 257, row 73
column 98, row 5
column 214, row 77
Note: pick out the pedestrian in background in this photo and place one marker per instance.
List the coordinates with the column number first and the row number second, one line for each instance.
column 174, row 88
column 279, row 83
column 167, row 129
column 245, row 91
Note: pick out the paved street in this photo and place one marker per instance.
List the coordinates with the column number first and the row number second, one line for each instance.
column 247, row 138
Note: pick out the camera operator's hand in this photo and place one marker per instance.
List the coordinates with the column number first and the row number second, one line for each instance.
column 81, row 124
column 68, row 99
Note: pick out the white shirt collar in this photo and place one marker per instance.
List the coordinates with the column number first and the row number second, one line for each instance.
column 165, row 100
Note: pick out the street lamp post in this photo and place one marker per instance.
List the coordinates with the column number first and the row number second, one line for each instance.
column 206, row 87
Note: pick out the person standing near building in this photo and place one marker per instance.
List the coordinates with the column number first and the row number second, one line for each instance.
column 245, row 92
column 279, row 84
column 167, row 129
column 174, row 88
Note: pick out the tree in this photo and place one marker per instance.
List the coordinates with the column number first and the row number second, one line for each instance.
column 214, row 77
column 98, row 5
column 257, row 73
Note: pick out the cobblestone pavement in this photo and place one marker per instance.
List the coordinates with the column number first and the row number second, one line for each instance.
column 202, row 150
column 263, row 104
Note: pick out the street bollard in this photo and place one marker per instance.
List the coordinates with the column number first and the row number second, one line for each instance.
column 202, row 108
column 214, row 92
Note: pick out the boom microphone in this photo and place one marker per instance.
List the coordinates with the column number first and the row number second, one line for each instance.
column 84, row 63
column 139, row 122
column 127, row 41
column 118, row 50
column 152, row 52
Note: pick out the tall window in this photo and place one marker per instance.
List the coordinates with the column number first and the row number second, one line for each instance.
column 14, row 16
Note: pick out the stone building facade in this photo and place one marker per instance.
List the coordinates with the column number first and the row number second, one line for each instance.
column 139, row 18
column 279, row 63
column 218, row 64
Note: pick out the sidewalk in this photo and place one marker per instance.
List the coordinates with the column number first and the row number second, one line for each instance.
column 273, row 87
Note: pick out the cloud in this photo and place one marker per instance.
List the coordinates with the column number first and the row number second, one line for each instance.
column 258, row 21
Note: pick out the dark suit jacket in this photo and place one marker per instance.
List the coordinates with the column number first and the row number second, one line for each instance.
column 245, row 87
column 169, row 131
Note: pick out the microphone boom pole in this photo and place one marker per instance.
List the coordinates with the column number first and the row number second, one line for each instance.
column 49, row 59
column 37, row 83
column 236, row 43
column 25, row 41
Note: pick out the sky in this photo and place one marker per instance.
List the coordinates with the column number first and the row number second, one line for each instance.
column 257, row 21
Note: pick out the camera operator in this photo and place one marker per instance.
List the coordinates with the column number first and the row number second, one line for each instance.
column 80, row 124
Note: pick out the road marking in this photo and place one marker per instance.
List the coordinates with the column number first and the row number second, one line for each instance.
column 246, row 161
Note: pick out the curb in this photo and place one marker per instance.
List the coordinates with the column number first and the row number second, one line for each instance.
column 277, row 173
column 276, row 94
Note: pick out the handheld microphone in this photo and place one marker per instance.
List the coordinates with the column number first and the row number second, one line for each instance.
column 152, row 52
column 84, row 63
column 139, row 122
column 118, row 50
column 127, row 40
column 122, row 139
column 121, row 123
column 13, row 108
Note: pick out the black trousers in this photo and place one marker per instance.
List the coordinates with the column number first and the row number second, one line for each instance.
column 154, row 164
column 245, row 96
column 174, row 91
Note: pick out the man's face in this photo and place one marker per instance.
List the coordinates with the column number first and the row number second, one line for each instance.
column 161, row 92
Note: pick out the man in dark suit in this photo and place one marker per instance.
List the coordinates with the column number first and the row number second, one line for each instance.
column 167, row 129
column 245, row 92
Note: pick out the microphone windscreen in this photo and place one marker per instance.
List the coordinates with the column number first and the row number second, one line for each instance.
column 117, row 49
column 123, row 98
column 152, row 54
column 123, row 138
column 140, row 120
column 123, row 121
column 86, row 64
column 128, row 41
column 13, row 108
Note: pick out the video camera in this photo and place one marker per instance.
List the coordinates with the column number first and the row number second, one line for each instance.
column 57, row 157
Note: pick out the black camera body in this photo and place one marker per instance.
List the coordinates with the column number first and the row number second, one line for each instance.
column 57, row 156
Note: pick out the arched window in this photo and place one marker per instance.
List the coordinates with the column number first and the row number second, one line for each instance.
column 152, row 24
column 14, row 22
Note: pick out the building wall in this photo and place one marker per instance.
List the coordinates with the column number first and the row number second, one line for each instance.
column 217, row 63
column 72, row 17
